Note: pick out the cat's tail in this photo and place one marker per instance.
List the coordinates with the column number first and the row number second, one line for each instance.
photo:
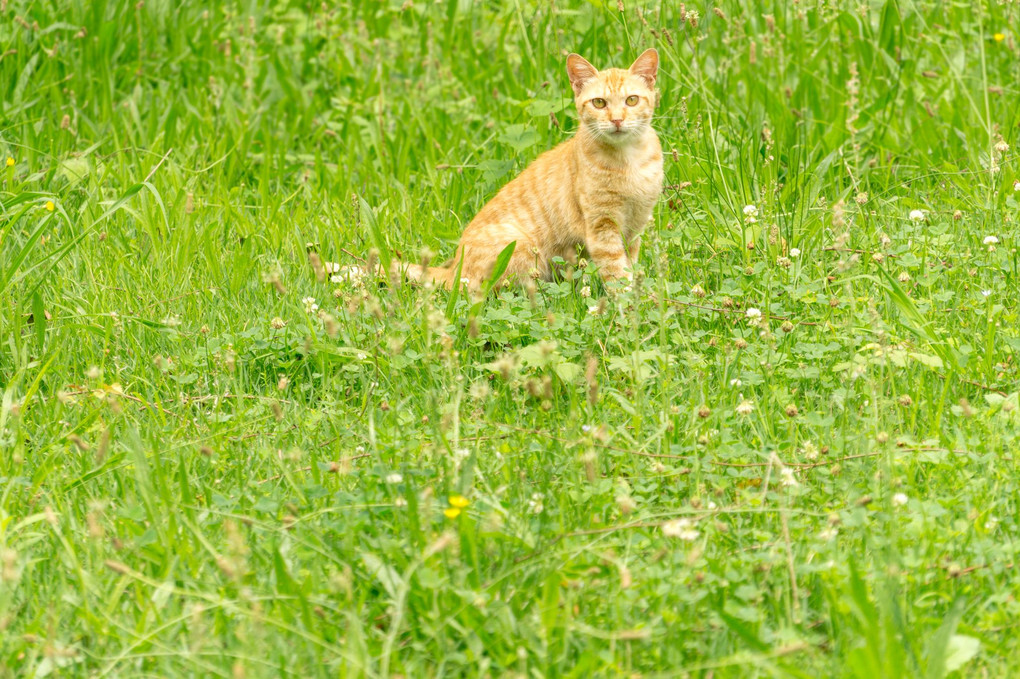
column 414, row 273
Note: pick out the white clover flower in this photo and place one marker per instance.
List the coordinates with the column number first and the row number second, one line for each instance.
column 395, row 477
column 810, row 450
column 745, row 407
column 1002, row 147
column 991, row 240
column 1016, row 184
column 535, row 505
column 916, row 216
column 331, row 267
column 827, row 534
column 794, row 252
column 593, row 310
column 586, row 292
column 465, row 281
column 986, row 293
column 750, row 214
column 754, row 313
column 436, row 320
column 680, row 528
column 899, row 499
column 735, row 382
column 277, row 323
column 788, row 478
column 310, row 305
column 904, row 277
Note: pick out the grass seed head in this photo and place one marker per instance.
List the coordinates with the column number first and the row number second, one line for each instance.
column 316, row 263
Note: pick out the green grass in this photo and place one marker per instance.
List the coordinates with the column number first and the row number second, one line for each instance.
column 187, row 490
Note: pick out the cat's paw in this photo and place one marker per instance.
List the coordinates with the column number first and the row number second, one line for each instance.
column 624, row 282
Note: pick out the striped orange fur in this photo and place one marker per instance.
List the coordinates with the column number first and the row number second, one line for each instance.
column 595, row 190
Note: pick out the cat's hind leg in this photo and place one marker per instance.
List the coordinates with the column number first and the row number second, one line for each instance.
column 526, row 262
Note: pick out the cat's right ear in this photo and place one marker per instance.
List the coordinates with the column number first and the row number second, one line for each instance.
column 580, row 72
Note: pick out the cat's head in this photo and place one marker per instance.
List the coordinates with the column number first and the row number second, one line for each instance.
column 615, row 105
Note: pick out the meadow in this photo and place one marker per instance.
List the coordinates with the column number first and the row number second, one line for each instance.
column 790, row 450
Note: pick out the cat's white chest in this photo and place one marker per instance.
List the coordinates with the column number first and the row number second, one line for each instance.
column 645, row 178
column 642, row 187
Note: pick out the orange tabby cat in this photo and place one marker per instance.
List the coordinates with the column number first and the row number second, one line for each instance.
column 596, row 189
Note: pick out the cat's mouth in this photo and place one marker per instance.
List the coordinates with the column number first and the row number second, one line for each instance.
column 617, row 132
column 614, row 134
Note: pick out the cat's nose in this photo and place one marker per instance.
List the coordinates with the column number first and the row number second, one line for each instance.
column 618, row 122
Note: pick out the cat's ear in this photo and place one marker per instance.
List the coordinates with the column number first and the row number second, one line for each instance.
column 646, row 66
column 580, row 72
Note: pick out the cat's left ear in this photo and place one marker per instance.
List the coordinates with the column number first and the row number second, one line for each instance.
column 646, row 66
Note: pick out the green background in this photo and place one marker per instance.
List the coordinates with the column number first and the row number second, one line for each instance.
column 187, row 490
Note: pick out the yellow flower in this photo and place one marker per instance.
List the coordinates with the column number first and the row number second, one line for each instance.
column 10, row 161
column 50, row 206
column 999, row 37
column 458, row 501
column 451, row 512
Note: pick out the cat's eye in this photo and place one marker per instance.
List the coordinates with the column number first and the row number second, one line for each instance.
column 598, row 102
column 632, row 100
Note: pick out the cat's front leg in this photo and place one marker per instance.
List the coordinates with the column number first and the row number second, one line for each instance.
column 634, row 249
column 605, row 245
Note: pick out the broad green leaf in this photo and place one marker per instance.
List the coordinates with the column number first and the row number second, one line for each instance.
column 502, row 262
column 961, row 650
